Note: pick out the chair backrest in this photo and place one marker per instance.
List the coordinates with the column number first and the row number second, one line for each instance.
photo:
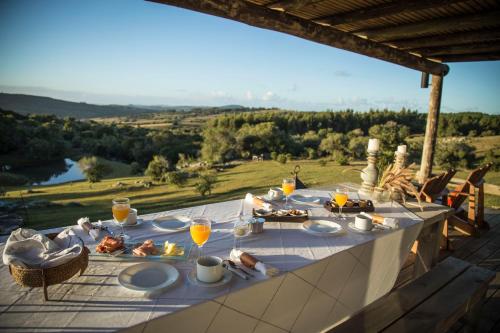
column 474, row 179
column 434, row 187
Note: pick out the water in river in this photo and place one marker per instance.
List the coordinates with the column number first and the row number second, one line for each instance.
column 52, row 173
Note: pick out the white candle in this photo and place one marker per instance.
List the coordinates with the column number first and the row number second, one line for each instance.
column 373, row 145
column 402, row 149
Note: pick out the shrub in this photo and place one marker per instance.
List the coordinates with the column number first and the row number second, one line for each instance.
column 281, row 158
column 157, row 167
column 2, row 191
column 340, row 157
column 11, row 179
column 454, row 153
column 135, row 168
column 323, row 162
column 93, row 169
column 274, row 155
column 177, row 178
column 358, row 146
column 490, row 157
column 311, row 153
column 289, row 157
column 206, row 182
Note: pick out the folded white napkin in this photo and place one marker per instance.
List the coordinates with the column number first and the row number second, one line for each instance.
column 31, row 249
column 257, row 201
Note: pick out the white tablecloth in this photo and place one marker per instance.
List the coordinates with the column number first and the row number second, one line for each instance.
column 322, row 281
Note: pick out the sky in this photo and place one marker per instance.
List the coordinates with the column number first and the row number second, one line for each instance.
column 137, row 52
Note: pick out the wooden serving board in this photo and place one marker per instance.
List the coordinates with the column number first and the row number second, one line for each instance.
column 355, row 209
column 281, row 218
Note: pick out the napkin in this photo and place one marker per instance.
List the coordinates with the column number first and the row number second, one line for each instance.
column 390, row 222
column 256, row 264
column 257, row 201
column 31, row 249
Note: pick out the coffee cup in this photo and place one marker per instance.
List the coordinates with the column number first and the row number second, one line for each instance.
column 275, row 193
column 362, row 222
column 132, row 217
column 209, row 269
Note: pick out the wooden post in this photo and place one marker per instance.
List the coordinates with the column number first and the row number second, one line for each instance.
column 431, row 128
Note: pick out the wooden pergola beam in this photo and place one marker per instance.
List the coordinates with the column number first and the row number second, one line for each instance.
column 485, row 47
column 432, row 27
column 289, row 5
column 444, row 40
column 469, row 57
column 263, row 17
column 383, row 10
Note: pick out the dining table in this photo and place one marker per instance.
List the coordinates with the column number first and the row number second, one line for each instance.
column 321, row 279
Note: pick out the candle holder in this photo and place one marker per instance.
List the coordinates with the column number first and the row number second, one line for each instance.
column 400, row 159
column 369, row 174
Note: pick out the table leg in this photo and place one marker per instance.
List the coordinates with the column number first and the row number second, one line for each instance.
column 427, row 251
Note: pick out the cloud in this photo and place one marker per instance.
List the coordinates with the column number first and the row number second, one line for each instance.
column 342, row 73
column 268, row 96
column 249, row 95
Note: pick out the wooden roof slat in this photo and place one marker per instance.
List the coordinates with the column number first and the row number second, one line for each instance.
column 470, row 57
column 459, row 49
column 434, row 26
column 383, row 10
column 263, row 17
column 288, row 5
column 444, row 40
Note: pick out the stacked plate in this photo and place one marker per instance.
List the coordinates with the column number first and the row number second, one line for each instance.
column 148, row 277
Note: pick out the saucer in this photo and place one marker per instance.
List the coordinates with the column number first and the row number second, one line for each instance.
column 360, row 231
column 139, row 222
column 226, row 278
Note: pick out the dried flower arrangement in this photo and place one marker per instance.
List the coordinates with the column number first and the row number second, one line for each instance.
column 398, row 180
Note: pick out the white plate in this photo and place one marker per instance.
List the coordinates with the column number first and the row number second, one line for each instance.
column 139, row 222
column 225, row 279
column 322, row 227
column 268, row 198
column 172, row 222
column 148, row 276
column 304, row 199
column 360, row 231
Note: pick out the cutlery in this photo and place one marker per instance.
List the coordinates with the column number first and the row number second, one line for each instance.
column 233, row 265
column 235, row 271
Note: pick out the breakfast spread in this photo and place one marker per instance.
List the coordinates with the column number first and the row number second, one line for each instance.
column 146, row 249
column 350, row 206
column 282, row 215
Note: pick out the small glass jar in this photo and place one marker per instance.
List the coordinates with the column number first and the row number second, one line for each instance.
column 257, row 225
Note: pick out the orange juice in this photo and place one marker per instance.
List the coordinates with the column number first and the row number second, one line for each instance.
column 340, row 199
column 288, row 188
column 200, row 233
column 120, row 212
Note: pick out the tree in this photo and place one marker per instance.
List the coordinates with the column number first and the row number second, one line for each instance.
column 93, row 169
column 135, row 168
column 206, row 182
column 157, row 167
column 454, row 153
column 333, row 142
column 358, row 146
column 177, row 178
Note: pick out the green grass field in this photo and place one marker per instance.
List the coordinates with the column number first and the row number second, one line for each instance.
column 233, row 183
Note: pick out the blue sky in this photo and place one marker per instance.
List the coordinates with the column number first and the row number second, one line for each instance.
column 137, row 52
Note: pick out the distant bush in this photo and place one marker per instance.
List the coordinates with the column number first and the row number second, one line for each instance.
column 11, row 179
column 454, row 153
column 289, row 157
column 177, row 178
column 274, row 155
column 157, row 167
column 323, row 162
column 311, row 153
column 2, row 191
column 488, row 133
column 357, row 147
column 339, row 157
column 281, row 158
column 206, row 182
column 93, row 169
column 490, row 157
column 135, row 168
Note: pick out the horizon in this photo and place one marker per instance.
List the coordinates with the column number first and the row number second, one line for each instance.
column 142, row 53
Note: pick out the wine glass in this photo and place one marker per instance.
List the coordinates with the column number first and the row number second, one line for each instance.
column 121, row 209
column 288, row 187
column 200, row 231
column 341, row 199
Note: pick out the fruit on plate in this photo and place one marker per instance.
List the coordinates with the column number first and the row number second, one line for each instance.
column 171, row 249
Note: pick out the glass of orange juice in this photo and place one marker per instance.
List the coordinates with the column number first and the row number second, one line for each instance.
column 200, row 231
column 341, row 199
column 288, row 187
column 121, row 209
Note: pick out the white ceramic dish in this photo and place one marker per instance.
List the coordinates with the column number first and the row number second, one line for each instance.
column 268, row 198
column 322, row 227
column 226, row 278
column 172, row 222
column 148, row 276
column 360, row 231
column 305, row 199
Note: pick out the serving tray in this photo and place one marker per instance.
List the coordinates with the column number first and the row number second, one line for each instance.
column 354, row 209
column 127, row 255
column 283, row 218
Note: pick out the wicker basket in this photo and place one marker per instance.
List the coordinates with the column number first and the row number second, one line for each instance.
column 38, row 277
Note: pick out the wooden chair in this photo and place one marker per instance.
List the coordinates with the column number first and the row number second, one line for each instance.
column 434, row 189
column 473, row 190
